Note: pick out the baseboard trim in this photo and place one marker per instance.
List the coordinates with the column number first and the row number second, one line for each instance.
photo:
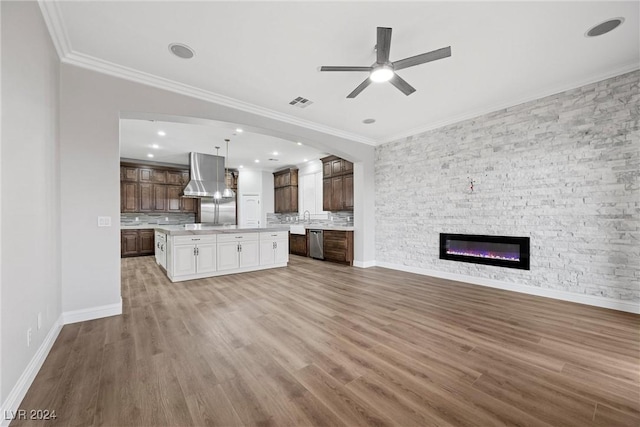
column 593, row 300
column 12, row 403
column 92, row 313
column 364, row 264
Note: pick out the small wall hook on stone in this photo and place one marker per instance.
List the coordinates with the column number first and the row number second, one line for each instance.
column 471, row 183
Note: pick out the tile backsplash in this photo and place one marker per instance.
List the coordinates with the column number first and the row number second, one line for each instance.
column 327, row 218
column 157, row 218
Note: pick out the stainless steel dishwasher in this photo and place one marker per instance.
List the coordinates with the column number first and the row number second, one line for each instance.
column 317, row 246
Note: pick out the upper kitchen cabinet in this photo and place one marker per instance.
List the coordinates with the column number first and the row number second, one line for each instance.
column 129, row 200
column 337, row 184
column 286, row 190
column 154, row 189
column 153, row 175
column 128, row 174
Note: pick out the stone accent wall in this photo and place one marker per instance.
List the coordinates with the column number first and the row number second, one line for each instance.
column 563, row 170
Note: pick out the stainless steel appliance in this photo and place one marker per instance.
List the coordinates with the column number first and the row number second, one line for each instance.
column 207, row 178
column 218, row 212
column 316, row 249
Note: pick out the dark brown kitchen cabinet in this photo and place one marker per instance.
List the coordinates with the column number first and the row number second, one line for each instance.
column 129, row 197
column 188, row 204
column 137, row 242
column 158, row 176
column 173, row 198
column 146, row 240
column 159, row 198
column 129, row 243
column 337, row 184
column 146, row 197
column 347, row 192
column 128, row 173
column 338, row 246
column 155, row 189
column 174, row 178
column 298, row 244
column 286, row 190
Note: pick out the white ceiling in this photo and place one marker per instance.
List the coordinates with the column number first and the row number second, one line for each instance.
column 267, row 53
column 138, row 137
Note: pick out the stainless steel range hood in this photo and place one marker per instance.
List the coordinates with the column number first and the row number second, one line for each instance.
column 207, row 175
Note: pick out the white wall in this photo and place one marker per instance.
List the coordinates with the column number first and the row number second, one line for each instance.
column 30, row 213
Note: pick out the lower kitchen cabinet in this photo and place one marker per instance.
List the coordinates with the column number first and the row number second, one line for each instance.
column 136, row 243
column 238, row 251
column 129, row 243
column 274, row 248
column 193, row 255
column 338, row 246
column 198, row 256
column 298, row 244
column 147, row 238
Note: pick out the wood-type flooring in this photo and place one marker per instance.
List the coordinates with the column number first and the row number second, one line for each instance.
column 318, row 343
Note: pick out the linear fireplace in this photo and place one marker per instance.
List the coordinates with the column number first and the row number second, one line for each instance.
column 503, row 251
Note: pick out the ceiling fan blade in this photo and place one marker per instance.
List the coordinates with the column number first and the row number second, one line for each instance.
column 383, row 45
column 401, row 84
column 345, row 68
column 445, row 52
column 360, row 88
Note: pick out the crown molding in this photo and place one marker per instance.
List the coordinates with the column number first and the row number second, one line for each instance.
column 531, row 96
column 55, row 24
column 53, row 19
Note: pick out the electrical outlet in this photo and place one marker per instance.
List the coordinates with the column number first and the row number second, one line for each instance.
column 39, row 320
column 28, row 337
column 104, row 221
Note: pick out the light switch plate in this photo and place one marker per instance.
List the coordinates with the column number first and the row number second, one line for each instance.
column 104, row 221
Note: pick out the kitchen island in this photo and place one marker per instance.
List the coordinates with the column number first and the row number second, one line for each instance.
column 196, row 251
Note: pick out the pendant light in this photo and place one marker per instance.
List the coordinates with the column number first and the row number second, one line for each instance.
column 228, row 192
column 217, row 195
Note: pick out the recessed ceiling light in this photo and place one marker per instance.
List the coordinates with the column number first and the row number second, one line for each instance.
column 299, row 143
column 156, row 146
column 604, row 27
column 149, row 155
column 368, row 121
column 305, row 160
column 238, row 130
column 181, row 50
column 275, row 153
column 161, row 133
column 240, row 166
column 257, row 161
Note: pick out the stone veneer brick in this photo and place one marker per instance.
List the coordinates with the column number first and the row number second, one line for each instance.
column 563, row 170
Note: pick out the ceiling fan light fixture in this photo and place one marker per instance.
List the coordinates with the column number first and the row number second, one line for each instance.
column 382, row 73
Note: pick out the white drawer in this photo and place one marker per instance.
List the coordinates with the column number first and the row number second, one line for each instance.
column 237, row 237
column 192, row 240
column 274, row 235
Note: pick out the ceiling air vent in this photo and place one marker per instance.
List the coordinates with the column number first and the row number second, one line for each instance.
column 273, row 160
column 301, row 102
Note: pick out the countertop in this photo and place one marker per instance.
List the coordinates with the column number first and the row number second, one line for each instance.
column 143, row 226
column 194, row 229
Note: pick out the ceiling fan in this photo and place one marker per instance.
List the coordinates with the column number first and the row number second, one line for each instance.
column 383, row 70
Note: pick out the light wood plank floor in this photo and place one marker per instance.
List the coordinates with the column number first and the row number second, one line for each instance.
column 323, row 344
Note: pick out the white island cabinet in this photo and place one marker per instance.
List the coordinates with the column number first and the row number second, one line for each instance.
column 238, row 251
column 274, row 247
column 214, row 251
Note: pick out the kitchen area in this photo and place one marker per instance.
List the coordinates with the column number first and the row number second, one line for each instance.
column 213, row 216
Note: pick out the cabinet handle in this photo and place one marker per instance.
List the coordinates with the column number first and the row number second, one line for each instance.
column 194, row 240
column 238, row 237
column 195, row 252
column 162, row 247
column 240, row 247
